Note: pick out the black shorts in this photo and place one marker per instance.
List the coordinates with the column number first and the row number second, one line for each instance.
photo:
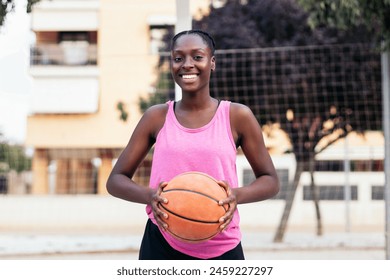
column 155, row 247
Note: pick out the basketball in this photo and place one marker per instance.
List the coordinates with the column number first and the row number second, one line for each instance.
column 192, row 208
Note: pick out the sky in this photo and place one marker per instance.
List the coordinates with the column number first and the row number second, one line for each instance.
column 15, row 82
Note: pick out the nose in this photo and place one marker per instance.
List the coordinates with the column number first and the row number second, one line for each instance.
column 188, row 62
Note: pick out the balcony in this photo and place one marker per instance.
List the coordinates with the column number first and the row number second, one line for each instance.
column 65, row 90
column 57, row 15
column 66, row 78
column 65, row 53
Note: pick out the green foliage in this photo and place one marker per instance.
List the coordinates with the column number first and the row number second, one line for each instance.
column 30, row 4
column 152, row 99
column 373, row 14
column 259, row 24
column 163, row 91
column 271, row 23
column 7, row 6
column 123, row 114
column 13, row 157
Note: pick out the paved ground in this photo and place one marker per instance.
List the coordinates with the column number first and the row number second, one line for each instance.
column 257, row 245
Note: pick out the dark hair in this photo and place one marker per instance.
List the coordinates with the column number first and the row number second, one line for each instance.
column 206, row 37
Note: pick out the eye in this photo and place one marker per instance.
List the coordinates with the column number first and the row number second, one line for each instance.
column 177, row 59
column 198, row 57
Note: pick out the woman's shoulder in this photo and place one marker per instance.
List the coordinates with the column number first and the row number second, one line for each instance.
column 239, row 110
column 157, row 111
column 153, row 119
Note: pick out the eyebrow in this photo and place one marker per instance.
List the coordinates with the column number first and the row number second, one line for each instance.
column 193, row 50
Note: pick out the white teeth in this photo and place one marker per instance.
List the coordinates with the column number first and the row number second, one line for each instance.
column 189, row 76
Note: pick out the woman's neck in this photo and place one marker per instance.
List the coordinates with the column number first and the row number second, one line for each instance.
column 197, row 102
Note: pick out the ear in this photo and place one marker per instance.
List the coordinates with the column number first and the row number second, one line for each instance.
column 212, row 63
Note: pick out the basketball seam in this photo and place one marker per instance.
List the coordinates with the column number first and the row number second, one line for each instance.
column 190, row 219
column 186, row 190
column 200, row 193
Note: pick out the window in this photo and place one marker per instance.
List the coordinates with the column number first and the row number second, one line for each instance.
column 377, row 193
column 329, row 193
column 248, row 177
column 157, row 36
column 73, row 36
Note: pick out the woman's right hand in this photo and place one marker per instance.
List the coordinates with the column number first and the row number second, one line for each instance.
column 158, row 214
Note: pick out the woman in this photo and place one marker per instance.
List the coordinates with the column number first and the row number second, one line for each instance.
column 197, row 133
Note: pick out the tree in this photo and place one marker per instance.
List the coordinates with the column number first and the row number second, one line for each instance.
column 164, row 88
column 265, row 23
column 375, row 16
column 7, row 6
column 344, row 14
column 268, row 23
column 12, row 157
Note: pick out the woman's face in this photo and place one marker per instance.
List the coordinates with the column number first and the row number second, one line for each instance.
column 191, row 63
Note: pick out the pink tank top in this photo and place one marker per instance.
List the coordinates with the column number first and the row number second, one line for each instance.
column 209, row 149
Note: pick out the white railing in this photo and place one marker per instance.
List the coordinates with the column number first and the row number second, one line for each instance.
column 64, row 53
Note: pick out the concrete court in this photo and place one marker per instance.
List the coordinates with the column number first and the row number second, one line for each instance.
column 257, row 245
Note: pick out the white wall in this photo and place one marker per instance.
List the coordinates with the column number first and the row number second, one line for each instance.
column 62, row 212
column 92, row 212
column 86, row 212
column 66, row 15
column 65, row 90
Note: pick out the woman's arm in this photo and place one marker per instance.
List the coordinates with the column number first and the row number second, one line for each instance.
column 249, row 136
column 120, row 183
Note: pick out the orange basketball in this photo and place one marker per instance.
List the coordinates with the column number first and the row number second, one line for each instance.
column 192, row 208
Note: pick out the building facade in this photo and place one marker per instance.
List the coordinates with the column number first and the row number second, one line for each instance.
column 90, row 57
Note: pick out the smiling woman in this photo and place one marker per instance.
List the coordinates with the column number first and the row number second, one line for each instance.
column 195, row 134
column 191, row 62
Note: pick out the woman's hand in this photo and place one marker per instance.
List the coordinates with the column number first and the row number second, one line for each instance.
column 158, row 214
column 231, row 201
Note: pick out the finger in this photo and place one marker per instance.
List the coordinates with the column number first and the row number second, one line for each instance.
column 227, row 218
column 229, row 200
column 225, row 222
column 160, row 217
column 224, row 185
column 159, row 199
column 163, row 199
column 163, row 185
column 228, row 215
column 228, row 190
column 158, row 211
column 163, row 225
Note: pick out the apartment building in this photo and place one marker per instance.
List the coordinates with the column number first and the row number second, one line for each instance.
column 88, row 57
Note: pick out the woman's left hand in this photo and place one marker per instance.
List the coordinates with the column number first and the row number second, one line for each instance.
column 231, row 201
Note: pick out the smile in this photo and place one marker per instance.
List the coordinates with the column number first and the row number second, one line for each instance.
column 187, row 77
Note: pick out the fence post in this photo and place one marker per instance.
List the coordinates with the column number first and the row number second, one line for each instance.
column 347, row 186
column 385, row 61
column 183, row 22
